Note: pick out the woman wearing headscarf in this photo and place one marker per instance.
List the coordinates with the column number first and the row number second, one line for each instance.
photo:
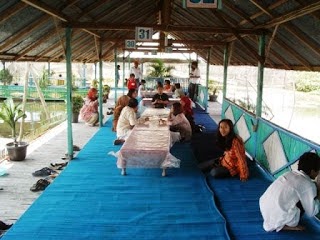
column 89, row 111
column 187, row 110
column 121, row 103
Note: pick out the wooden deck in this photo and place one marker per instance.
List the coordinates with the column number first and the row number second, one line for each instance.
column 16, row 197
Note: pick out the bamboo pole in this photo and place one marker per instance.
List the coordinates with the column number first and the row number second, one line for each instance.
column 43, row 102
column 24, row 101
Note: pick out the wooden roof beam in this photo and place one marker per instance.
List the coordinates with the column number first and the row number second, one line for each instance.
column 12, row 11
column 20, row 35
column 291, row 15
column 261, row 8
column 78, row 44
column 252, row 51
column 165, row 28
column 293, row 30
column 52, row 12
column 35, row 45
column 47, row 50
column 71, row 3
column 177, row 41
column 239, row 12
column 293, row 53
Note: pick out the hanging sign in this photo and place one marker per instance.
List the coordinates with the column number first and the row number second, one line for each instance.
column 130, row 44
column 144, row 34
column 202, row 3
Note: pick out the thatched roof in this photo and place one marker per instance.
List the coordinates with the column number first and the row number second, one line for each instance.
column 33, row 30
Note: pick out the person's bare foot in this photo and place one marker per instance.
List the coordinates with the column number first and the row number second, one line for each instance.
column 296, row 228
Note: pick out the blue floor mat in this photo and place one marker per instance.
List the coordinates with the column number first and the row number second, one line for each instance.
column 91, row 200
column 239, row 204
column 239, row 201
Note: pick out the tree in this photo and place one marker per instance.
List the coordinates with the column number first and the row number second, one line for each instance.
column 6, row 77
column 159, row 69
column 44, row 80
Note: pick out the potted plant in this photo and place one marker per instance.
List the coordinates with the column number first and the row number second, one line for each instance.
column 77, row 103
column 106, row 91
column 213, row 90
column 10, row 113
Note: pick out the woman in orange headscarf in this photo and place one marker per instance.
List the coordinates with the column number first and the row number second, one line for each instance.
column 89, row 111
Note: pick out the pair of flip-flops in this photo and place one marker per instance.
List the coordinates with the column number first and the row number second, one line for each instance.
column 4, row 226
column 40, row 185
column 44, row 172
column 58, row 166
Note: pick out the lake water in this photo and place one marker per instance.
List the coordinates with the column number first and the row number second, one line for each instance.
column 36, row 117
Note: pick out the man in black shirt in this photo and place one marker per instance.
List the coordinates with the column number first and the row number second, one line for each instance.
column 160, row 100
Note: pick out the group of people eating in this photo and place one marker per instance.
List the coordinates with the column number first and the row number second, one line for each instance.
column 180, row 118
column 284, row 201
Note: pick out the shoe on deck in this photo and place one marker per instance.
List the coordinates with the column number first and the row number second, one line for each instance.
column 118, row 142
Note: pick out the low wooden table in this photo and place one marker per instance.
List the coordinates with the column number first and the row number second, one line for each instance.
column 148, row 145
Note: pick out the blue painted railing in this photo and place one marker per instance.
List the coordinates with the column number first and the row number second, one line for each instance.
column 276, row 149
column 49, row 93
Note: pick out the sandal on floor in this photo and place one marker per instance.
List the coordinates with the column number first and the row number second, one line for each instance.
column 58, row 166
column 4, row 226
column 76, row 148
column 40, row 185
column 43, row 172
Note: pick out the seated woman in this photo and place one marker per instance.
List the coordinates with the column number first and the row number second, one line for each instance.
column 126, row 121
column 121, row 103
column 132, row 93
column 179, row 123
column 160, row 99
column 167, row 86
column 178, row 93
column 89, row 111
column 233, row 162
column 187, row 110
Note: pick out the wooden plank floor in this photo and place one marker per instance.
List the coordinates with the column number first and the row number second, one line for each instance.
column 16, row 197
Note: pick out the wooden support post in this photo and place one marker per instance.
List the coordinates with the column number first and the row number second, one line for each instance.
column 225, row 70
column 100, row 85
column 207, row 81
column 69, row 91
column 260, row 75
column 116, row 74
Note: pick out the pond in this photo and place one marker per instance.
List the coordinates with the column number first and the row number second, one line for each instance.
column 36, row 119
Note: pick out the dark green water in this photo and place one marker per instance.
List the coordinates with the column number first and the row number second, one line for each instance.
column 36, row 117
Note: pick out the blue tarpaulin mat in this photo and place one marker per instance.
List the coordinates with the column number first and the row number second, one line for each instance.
column 91, row 200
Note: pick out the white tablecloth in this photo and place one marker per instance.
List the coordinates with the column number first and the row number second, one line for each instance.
column 148, row 145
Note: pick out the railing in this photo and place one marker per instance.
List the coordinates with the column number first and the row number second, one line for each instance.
column 49, row 93
column 45, row 125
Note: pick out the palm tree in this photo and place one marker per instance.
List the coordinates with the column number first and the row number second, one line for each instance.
column 159, row 69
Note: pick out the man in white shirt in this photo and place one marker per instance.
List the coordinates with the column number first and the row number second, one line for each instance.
column 127, row 120
column 194, row 81
column 291, row 195
column 137, row 72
